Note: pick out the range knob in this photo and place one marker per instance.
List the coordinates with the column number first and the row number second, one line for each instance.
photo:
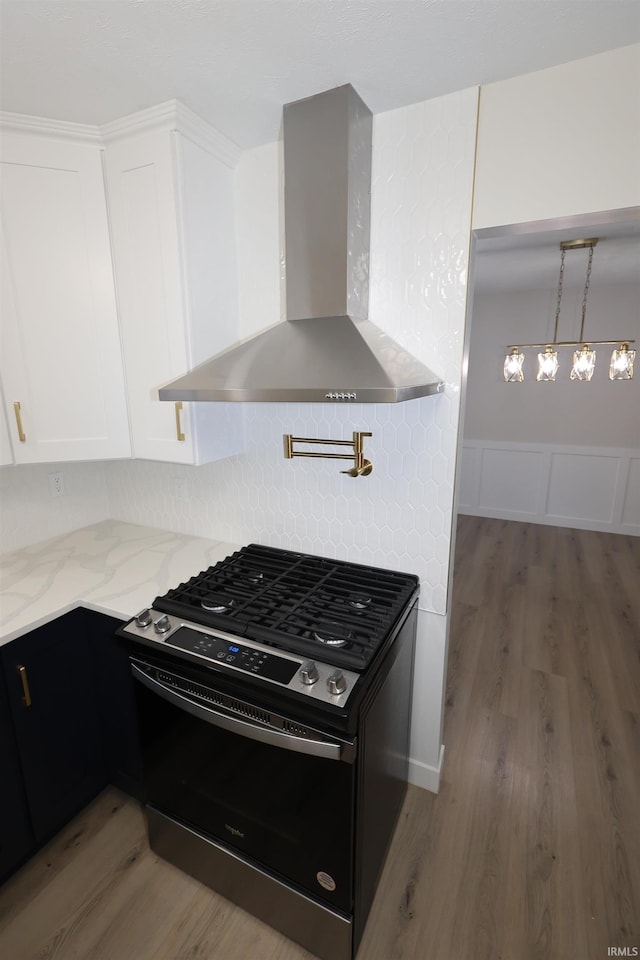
column 336, row 683
column 144, row 618
column 162, row 625
column 309, row 672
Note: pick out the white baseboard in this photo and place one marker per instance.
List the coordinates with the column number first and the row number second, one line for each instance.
column 426, row 776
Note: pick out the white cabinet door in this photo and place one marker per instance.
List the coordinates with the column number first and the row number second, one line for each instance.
column 6, row 453
column 170, row 205
column 61, row 355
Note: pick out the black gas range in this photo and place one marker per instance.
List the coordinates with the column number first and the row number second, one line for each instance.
column 274, row 699
column 309, row 626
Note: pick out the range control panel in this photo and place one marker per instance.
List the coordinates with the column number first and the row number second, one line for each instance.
column 313, row 678
column 267, row 665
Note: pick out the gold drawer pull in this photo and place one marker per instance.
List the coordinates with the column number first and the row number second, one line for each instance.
column 21, row 434
column 179, row 433
column 26, row 699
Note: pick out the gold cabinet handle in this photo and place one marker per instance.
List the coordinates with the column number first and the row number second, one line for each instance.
column 26, row 699
column 179, row 433
column 21, row 434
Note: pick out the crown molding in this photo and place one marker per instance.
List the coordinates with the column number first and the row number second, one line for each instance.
column 44, row 127
column 173, row 115
column 161, row 117
column 206, row 136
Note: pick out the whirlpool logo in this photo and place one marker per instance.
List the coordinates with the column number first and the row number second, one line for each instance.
column 234, row 831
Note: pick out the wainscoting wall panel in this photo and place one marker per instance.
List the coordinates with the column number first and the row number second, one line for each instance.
column 631, row 504
column 583, row 486
column 591, row 488
column 511, row 480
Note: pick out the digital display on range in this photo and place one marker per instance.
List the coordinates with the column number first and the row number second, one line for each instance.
column 268, row 665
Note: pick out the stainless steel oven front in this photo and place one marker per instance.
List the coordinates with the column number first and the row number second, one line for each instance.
column 286, row 817
column 265, row 786
column 274, row 703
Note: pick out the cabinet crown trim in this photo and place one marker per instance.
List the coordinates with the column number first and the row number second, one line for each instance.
column 171, row 115
column 174, row 115
column 45, row 127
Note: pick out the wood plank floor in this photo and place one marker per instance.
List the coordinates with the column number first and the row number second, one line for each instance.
column 531, row 850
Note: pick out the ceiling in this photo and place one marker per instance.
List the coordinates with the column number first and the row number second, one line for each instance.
column 236, row 62
column 531, row 261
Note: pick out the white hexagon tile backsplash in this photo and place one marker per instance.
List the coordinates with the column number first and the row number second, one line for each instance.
column 401, row 515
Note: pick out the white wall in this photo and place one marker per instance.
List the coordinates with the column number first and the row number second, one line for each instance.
column 29, row 514
column 560, row 142
column 400, row 516
column 259, row 236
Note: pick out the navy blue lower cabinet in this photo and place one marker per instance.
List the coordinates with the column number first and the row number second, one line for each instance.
column 16, row 836
column 115, row 703
column 51, row 694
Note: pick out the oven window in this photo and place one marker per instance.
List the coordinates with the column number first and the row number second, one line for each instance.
column 290, row 812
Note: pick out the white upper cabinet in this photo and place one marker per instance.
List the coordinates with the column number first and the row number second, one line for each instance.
column 170, row 194
column 61, row 359
column 6, row 453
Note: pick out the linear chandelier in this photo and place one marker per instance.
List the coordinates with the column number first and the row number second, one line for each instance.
column 584, row 357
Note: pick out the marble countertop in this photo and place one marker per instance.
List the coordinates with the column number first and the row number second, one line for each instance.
column 112, row 567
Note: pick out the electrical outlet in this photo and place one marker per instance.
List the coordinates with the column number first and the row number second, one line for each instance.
column 180, row 488
column 56, row 485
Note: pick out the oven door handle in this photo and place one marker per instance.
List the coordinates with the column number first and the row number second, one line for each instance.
column 276, row 738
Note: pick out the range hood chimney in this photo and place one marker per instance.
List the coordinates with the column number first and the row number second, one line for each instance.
column 326, row 350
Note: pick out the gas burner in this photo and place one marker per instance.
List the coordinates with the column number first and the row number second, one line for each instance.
column 216, row 603
column 359, row 601
column 296, row 601
column 332, row 633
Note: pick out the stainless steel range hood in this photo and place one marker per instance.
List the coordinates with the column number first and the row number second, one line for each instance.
column 326, row 350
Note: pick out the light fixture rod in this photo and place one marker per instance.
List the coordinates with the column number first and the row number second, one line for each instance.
column 573, row 245
column 587, row 281
column 560, row 279
column 567, row 343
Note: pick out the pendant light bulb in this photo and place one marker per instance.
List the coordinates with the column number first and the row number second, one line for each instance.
column 513, row 361
column 584, row 362
column 547, row 364
column 621, row 366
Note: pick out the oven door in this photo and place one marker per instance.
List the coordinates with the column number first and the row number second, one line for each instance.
column 261, row 784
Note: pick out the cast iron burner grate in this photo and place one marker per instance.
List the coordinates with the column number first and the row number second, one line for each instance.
column 297, row 602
